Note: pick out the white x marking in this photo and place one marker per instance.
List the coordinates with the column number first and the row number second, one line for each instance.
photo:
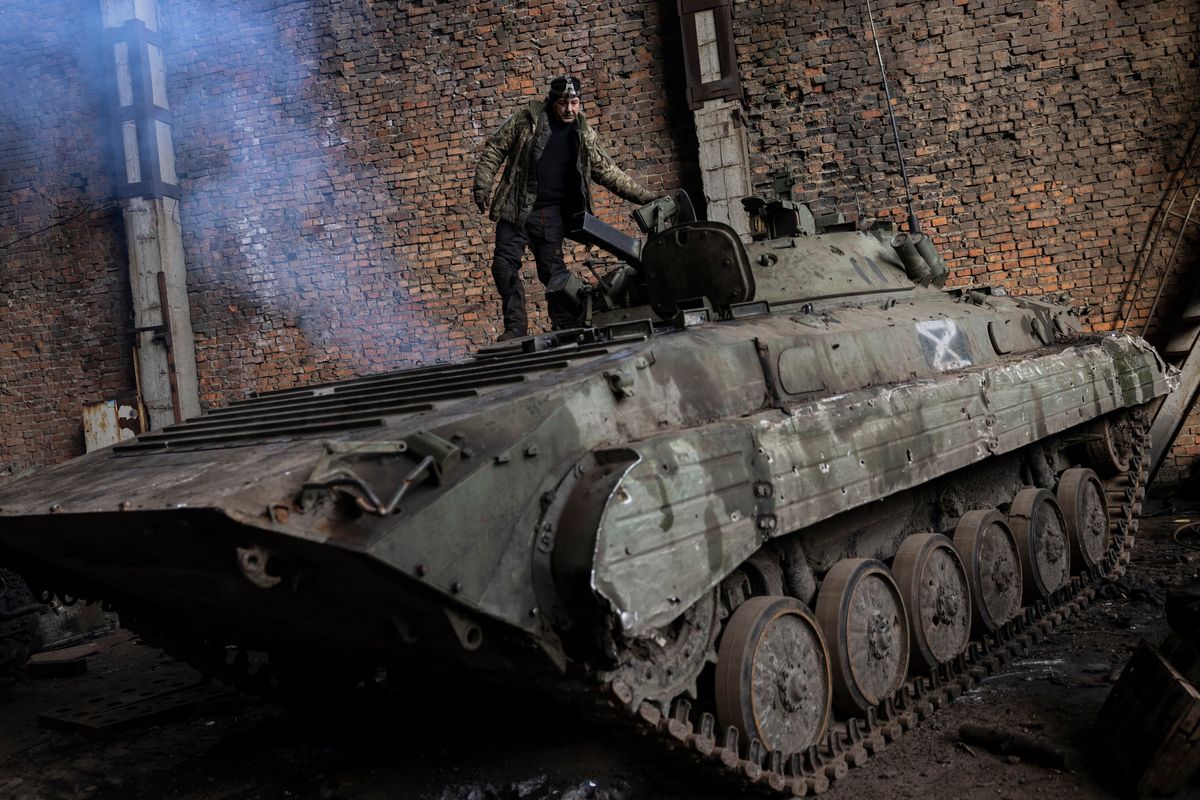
column 941, row 333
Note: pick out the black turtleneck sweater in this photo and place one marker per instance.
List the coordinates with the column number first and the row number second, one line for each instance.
column 557, row 177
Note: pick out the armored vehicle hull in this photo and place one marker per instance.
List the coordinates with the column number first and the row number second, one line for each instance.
column 756, row 492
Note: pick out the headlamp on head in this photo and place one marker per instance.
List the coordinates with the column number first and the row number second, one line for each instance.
column 565, row 86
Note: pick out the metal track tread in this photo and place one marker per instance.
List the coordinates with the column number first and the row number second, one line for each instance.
column 852, row 742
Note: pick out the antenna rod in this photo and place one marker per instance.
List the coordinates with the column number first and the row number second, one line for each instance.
column 913, row 225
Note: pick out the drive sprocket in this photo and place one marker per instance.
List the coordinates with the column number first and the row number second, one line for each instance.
column 666, row 663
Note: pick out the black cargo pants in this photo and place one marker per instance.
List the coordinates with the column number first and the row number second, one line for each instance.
column 543, row 234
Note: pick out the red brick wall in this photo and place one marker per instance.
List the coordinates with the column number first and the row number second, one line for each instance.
column 64, row 308
column 326, row 149
column 1039, row 134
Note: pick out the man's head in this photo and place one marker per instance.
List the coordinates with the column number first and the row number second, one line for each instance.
column 563, row 98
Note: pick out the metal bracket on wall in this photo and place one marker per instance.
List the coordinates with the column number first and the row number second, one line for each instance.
column 162, row 333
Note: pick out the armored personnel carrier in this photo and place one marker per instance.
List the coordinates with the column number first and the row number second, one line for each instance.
column 770, row 501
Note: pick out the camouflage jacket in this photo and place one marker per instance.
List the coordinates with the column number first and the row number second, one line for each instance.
column 519, row 144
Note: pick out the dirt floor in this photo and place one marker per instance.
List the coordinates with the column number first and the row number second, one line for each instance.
column 472, row 745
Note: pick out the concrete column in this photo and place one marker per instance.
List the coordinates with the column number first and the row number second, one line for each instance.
column 149, row 191
column 714, row 94
column 155, row 245
column 724, row 162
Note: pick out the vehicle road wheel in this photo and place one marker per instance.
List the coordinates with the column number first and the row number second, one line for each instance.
column 1081, row 497
column 989, row 552
column 772, row 679
column 933, row 583
column 1109, row 453
column 1041, row 533
column 862, row 616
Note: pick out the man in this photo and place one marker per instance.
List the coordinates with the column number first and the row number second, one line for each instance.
column 550, row 157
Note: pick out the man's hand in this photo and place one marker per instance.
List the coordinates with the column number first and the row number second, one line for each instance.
column 481, row 202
